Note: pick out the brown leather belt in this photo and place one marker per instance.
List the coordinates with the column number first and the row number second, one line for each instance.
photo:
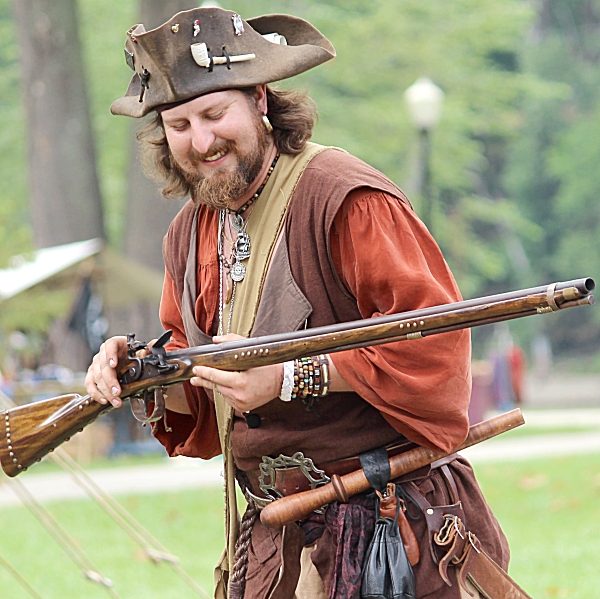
column 291, row 480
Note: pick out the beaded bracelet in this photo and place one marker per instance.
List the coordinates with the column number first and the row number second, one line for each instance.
column 310, row 379
column 325, row 380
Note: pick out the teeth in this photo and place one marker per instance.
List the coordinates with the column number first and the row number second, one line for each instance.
column 215, row 157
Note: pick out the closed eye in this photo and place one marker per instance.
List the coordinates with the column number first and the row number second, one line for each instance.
column 214, row 116
column 182, row 126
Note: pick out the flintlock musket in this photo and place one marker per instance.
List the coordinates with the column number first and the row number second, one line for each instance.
column 29, row 432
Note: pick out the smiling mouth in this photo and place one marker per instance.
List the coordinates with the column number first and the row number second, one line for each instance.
column 216, row 156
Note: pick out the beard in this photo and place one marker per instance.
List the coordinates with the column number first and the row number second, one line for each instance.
column 224, row 187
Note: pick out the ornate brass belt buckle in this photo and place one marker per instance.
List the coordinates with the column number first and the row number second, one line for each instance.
column 269, row 467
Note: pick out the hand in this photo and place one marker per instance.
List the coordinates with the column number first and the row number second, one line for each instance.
column 244, row 391
column 101, row 379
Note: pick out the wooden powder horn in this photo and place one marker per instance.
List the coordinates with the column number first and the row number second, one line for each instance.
column 297, row 507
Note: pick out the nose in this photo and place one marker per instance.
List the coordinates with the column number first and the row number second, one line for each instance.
column 202, row 136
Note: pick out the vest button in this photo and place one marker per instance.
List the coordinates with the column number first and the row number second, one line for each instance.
column 252, row 420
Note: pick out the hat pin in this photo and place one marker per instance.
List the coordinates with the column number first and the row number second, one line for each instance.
column 238, row 24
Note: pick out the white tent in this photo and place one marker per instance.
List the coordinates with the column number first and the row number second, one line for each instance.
column 45, row 264
column 120, row 280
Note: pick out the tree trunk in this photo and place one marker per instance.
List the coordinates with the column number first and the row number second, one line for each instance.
column 148, row 213
column 66, row 203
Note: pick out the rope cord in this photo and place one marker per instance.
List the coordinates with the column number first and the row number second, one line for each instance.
column 151, row 546
column 19, row 578
column 69, row 545
column 155, row 551
column 408, row 500
column 237, row 581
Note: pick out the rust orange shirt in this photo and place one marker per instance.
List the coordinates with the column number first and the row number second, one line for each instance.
column 421, row 387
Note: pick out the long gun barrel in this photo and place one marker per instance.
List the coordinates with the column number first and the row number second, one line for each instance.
column 29, row 432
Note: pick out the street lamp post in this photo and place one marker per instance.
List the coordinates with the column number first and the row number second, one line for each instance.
column 424, row 100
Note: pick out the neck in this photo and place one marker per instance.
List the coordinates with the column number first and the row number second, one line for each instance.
column 269, row 157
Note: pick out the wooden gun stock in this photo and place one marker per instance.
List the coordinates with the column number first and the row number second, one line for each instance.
column 29, row 432
column 297, row 507
column 33, row 430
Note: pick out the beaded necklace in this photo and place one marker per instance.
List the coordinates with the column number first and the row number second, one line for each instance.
column 253, row 199
column 241, row 249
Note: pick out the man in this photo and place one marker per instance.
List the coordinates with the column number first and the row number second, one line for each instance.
column 282, row 234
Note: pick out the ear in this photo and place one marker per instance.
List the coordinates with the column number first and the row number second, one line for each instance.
column 261, row 98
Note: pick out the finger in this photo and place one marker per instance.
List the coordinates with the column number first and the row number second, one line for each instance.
column 113, row 349
column 214, row 386
column 104, row 374
column 200, row 381
column 107, row 386
column 142, row 353
column 97, row 376
column 219, row 377
column 92, row 388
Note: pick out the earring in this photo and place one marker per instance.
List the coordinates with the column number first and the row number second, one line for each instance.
column 267, row 123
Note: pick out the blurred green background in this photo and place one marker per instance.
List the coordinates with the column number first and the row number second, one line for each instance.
column 514, row 174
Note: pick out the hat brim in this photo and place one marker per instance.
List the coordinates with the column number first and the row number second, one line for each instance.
column 176, row 78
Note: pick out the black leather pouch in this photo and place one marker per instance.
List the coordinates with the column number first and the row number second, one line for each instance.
column 387, row 573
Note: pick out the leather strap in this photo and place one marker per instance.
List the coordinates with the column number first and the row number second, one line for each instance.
column 435, row 516
column 450, row 483
column 462, row 548
column 486, row 575
column 376, row 466
column 289, row 481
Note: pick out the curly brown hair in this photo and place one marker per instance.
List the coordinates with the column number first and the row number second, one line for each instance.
column 292, row 114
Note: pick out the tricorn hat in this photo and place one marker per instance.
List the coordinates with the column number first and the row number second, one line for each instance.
column 205, row 50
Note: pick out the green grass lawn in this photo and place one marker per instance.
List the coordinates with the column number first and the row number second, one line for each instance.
column 188, row 523
column 536, row 431
column 550, row 511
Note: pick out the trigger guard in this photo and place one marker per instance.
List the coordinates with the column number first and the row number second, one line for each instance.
column 139, row 407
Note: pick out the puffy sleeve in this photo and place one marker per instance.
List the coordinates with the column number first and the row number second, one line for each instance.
column 389, row 262
column 194, row 435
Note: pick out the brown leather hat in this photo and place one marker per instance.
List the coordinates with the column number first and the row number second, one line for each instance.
column 205, row 50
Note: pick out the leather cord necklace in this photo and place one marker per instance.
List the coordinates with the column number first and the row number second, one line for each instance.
column 240, row 251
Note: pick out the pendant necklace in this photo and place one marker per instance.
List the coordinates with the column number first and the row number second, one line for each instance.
column 240, row 251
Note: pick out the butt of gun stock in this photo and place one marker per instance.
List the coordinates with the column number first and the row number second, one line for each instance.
column 31, row 431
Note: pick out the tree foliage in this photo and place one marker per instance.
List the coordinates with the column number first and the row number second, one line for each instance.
column 552, row 166
column 513, row 159
column 470, row 49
